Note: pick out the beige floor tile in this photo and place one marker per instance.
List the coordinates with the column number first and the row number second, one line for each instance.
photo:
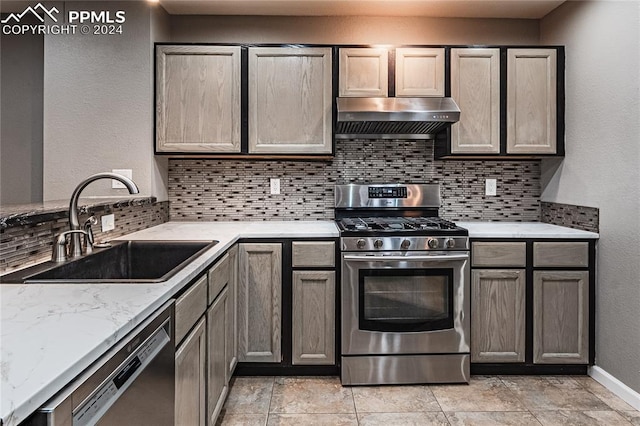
column 580, row 418
column 394, row 399
column 306, row 395
column 551, row 393
column 402, row 419
column 632, row 416
column 312, row 420
column 481, row 394
column 603, row 393
column 503, row 418
column 237, row 419
column 249, row 395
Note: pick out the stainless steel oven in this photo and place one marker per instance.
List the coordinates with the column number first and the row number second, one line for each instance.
column 405, row 298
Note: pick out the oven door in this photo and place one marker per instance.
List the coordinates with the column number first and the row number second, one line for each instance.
column 405, row 303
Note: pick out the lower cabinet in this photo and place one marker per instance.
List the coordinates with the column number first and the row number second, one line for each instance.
column 217, row 374
column 191, row 362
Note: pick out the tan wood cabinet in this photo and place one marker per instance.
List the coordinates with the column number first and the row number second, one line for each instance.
column 475, row 86
column 498, row 315
column 419, row 71
column 290, row 100
column 191, row 361
column 259, row 302
column 198, row 99
column 313, row 319
column 531, row 101
column 217, row 371
column 364, row 72
column 232, row 317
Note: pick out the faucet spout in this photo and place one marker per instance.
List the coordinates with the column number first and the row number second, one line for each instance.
column 76, row 248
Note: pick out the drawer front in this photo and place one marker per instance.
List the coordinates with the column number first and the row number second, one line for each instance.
column 219, row 276
column 561, row 254
column 313, row 253
column 190, row 307
column 498, row 254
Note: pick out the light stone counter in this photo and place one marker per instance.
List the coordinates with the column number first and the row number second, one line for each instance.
column 523, row 230
column 50, row 333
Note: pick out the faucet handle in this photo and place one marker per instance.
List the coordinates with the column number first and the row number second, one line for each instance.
column 59, row 252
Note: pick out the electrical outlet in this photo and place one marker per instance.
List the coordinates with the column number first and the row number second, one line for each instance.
column 124, row 172
column 491, row 187
column 108, row 222
column 274, row 183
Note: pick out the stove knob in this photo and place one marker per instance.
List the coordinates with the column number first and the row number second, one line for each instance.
column 450, row 243
column 377, row 244
column 405, row 244
column 361, row 243
column 433, row 243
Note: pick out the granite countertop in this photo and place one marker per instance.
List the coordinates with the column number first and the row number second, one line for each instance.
column 52, row 332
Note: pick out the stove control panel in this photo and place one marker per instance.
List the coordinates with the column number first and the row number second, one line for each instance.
column 387, row 192
column 404, row 243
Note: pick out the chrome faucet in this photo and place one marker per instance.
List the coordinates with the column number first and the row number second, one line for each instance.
column 75, row 248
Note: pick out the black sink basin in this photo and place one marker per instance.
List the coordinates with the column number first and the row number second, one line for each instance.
column 125, row 262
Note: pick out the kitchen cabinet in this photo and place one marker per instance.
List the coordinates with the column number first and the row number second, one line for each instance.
column 191, row 362
column 198, row 99
column 290, row 100
column 217, row 372
column 419, row 71
column 531, row 101
column 232, row 317
column 475, row 86
column 532, row 306
column 259, row 302
column 364, row 72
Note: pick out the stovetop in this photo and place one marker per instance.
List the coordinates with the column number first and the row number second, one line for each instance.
column 398, row 225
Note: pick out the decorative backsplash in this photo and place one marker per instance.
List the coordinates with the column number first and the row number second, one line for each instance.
column 22, row 245
column 210, row 190
column 578, row 217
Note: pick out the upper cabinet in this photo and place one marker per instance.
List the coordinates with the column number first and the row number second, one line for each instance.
column 198, row 99
column 290, row 100
column 531, row 101
column 475, row 86
column 364, row 72
column 419, row 72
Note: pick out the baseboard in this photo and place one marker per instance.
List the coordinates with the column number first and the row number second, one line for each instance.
column 623, row 391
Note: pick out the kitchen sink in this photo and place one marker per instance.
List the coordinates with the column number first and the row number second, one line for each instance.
column 124, row 262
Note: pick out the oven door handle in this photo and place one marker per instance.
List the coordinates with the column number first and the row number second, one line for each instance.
column 360, row 258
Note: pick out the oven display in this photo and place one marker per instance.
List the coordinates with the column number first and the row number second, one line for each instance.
column 387, row 192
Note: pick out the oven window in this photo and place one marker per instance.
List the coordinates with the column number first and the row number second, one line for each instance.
column 406, row 300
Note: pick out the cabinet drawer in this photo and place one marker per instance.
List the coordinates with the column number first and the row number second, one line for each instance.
column 219, row 276
column 498, row 254
column 313, row 253
column 189, row 307
column 561, row 254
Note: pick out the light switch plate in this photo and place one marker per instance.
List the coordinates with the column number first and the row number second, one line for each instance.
column 108, row 222
column 491, row 187
column 124, row 172
column 274, row 183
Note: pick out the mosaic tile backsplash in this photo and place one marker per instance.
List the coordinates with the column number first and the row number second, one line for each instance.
column 210, row 190
column 578, row 217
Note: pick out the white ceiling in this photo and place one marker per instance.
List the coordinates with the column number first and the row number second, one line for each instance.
column 528, row 9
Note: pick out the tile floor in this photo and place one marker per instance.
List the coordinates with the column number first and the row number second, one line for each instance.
column 487, row 400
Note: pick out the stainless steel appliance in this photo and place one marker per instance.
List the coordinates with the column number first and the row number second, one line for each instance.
column 405, row 287
column 133, row 384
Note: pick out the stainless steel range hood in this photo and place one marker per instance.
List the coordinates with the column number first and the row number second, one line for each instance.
column 394, row 118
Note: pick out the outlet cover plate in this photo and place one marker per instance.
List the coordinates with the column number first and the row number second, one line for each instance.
column 108, row 222
column 274, row 184
column 491, row 187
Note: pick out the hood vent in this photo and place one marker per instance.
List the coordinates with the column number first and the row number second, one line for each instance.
column 394, row 118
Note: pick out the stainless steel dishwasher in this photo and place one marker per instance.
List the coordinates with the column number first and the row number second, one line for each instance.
column 133, row 384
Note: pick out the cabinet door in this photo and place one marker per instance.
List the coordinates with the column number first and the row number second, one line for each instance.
column 561, row 317
column 419, row 72
column 364, row 72
column 259, row 302
column 498, row 315
column 232, row 327
column 198, row 99
column 191, row 407
column 313, row 321
column 290, row 100
column 531, row 101
column 217, row 384
column 475, row 86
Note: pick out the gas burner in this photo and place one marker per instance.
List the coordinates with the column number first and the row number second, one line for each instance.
column 396, row 224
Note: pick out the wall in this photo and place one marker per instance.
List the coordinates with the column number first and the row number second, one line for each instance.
column 98, row 104
column 21, row 61
column 602, row 166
